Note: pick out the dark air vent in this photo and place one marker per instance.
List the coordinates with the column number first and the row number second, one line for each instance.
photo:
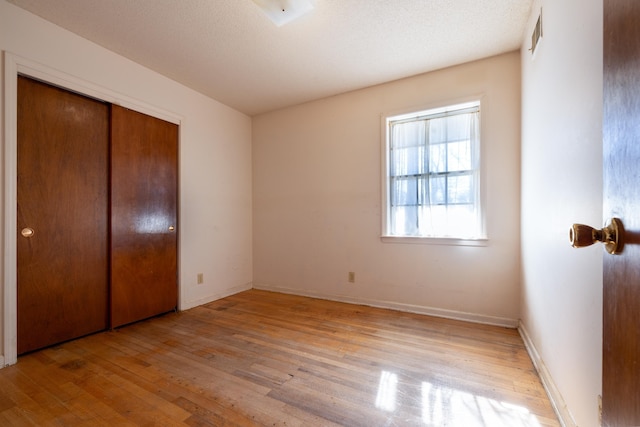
column 537, row 34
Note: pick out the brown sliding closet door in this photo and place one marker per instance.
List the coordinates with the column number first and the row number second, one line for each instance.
column 62, row 217
column 143, row 216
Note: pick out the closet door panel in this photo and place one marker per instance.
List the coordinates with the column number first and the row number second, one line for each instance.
column 62, row 215
column 144, row 177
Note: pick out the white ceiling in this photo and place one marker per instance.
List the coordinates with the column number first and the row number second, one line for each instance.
column 230, row 51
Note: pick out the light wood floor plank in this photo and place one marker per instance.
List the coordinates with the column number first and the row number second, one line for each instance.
column 268, row 359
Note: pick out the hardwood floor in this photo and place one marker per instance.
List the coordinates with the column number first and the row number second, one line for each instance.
column 262, row 358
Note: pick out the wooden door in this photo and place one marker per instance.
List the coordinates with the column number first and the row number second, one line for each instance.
column 143, row 216
column 62, row 186
column 621, row 125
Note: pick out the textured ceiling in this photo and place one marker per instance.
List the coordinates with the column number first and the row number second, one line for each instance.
column 230, row 51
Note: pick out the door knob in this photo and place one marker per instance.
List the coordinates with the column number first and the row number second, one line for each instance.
column 582, row 235
column 27, row 232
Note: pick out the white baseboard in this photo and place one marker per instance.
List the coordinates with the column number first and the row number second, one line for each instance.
column 411, row 308
column 557, row 401
column 219, row 295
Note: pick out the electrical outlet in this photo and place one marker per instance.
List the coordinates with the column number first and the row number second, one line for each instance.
column 352, row 277
column 200, row 278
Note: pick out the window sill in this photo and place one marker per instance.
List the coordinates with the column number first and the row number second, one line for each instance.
column 448, row 241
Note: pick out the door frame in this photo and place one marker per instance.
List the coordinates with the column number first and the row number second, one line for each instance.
column 13, row 66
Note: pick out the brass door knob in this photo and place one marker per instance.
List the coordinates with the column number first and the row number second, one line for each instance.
column 27, row 232
column 581, row 235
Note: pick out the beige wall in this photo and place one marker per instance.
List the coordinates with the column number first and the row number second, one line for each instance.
column 215, row 151
column 562, row 184
column 316, row 200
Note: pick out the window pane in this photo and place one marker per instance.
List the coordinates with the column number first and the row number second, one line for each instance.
column 408, row 134
column 460, row 189
column 437, row 158
column 462, row 221
column 459, row 156
column 437, row 191
column 406, row 161
column 458, row 127
column 404, row 192
column 433, row 220
column 404, row 221
column 437, row 130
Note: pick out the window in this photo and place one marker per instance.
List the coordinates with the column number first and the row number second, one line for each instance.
column 432, row 185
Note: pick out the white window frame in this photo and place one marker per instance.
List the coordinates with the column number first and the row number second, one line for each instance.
column 440, row 107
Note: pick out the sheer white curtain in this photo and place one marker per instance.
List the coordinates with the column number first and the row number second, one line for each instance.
column 434, row 167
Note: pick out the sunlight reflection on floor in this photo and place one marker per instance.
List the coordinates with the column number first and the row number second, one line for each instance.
column 443, row 406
